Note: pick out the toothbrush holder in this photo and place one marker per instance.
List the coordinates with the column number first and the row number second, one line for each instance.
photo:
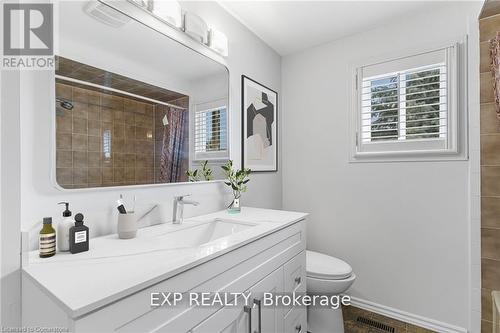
column 127, row 225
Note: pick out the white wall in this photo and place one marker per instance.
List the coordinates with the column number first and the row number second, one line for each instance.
column 247, row 55
column 250, row 56
column 404, row 227
column 10, row 279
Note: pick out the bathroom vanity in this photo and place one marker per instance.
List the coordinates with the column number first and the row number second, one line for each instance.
column 109, row 288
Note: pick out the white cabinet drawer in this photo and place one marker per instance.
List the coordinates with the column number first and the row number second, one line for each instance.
column 295, row 273
column 296, row 321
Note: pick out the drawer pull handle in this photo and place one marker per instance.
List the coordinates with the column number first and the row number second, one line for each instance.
column 298, row 279
column 248, row 310
column 258, row 302
column 298, row 328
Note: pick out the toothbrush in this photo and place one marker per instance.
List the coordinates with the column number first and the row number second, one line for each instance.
column 120, row 206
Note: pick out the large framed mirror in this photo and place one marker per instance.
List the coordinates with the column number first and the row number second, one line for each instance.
column 133, row 106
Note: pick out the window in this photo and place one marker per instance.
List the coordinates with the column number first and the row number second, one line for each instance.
column 407, row 106
column 210, row 132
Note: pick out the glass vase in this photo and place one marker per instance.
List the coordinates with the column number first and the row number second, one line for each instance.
column 234, row 207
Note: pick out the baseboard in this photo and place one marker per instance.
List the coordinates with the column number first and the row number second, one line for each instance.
column 406, row 317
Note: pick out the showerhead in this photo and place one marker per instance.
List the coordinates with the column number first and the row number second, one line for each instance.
column 65, row 104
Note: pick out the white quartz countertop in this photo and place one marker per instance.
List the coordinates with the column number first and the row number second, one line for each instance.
column 114, row 268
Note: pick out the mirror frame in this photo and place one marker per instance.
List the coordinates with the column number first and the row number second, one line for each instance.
column 141, row 16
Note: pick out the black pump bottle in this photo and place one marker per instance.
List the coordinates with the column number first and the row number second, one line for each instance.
column 78, row 236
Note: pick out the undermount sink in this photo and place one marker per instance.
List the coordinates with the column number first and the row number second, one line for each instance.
column 200, row 233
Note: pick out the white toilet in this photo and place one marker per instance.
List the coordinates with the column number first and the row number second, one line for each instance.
column 326, row 275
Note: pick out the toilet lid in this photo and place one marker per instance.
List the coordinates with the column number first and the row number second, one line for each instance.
column 322, row 266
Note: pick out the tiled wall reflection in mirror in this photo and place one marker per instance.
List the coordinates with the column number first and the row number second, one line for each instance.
column 108, row 138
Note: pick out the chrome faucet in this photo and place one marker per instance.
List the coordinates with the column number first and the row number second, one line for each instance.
column 179, row 202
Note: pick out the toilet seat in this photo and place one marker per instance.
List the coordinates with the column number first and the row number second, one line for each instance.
column 325, row 267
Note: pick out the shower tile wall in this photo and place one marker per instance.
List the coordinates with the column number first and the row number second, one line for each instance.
column 490, row 177
column 105, row 140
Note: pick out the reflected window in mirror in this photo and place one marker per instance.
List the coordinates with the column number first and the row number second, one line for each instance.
column 210, row 133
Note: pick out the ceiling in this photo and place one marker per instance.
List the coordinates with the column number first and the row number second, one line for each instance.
column 75, row 70
column 292, row 26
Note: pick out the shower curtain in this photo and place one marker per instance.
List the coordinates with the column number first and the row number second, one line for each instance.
column 172, row 148
column 495, row 69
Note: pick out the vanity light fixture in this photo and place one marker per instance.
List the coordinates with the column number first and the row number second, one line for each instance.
column 218, row 42
column 196, row 27
column 168, row 11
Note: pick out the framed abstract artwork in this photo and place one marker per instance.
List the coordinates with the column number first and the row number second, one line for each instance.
column 259, row 144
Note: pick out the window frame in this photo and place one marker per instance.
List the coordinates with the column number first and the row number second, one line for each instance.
column 220, row 155
column 419, row 149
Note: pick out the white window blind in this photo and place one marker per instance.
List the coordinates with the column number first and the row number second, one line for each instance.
column 210, row 133
column 407, row 105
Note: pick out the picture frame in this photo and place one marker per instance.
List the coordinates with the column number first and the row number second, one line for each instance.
column 259, row 126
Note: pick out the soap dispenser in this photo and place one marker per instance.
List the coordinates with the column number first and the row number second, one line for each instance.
column 78, row 236
column 63, row 228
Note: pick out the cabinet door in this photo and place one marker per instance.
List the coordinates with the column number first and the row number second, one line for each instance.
column 296, row 321
column 227, row 320
column 267, row 319
column 253, row 318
